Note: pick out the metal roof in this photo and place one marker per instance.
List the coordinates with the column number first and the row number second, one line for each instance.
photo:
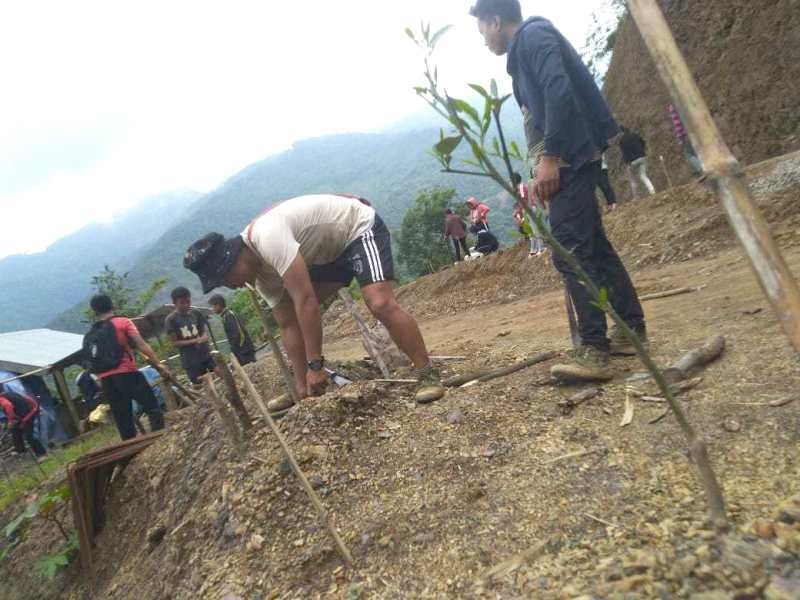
column 22, row 351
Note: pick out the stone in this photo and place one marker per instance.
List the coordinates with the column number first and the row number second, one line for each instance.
column 783, row 589
column 731, row 425
column 454, row 417
column 763, row 529
column 713, row 595
column 703, row 553
column 788, row 537
column 682, row 568
column 788, row 512
column 256, row 542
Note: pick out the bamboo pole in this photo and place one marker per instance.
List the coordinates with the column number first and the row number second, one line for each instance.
column 234, row 399
column 227, row 419
column 291, row 388
column 315, row 500
column 723, row 170
column 66, row 398
column 374, row 353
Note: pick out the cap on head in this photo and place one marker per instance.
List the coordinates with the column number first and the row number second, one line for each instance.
column 211, row 257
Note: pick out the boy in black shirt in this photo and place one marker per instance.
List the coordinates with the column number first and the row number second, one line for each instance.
column 186, row 327
column 239, row 339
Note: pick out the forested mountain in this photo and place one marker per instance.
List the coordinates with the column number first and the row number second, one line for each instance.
column 36, row 287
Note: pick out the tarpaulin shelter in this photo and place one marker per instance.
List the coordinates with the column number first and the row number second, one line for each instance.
column 43, row 351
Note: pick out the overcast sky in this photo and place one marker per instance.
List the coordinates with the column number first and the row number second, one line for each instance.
column 105, row 103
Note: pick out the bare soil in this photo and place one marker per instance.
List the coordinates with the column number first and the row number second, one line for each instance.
column 489, row 493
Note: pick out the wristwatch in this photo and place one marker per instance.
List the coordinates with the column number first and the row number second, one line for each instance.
column 317, row 364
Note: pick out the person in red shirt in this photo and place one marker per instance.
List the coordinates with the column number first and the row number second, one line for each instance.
column 21, row 412
column 125, row 382
column 478, row 212
column 455, row 234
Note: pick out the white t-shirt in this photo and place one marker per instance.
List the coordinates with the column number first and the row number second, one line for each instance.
column 318, row 227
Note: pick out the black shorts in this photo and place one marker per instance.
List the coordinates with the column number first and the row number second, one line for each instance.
column 368, row 259
column 196, row 371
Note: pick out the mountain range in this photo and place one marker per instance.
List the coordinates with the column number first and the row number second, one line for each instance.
column 389, row 168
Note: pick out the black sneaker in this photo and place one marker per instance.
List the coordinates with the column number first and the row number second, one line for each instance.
column 587, row 363
column 621, row 345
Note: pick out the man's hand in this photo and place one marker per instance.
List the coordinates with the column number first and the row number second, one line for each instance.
column 203, row 339
column 165, row 372
column 548, row 178
column 316, row 382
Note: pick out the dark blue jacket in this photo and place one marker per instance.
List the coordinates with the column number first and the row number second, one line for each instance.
column 565, row 103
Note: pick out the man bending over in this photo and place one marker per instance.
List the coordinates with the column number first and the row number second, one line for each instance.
column 298, row 253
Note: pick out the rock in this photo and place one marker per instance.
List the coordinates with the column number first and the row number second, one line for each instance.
column 155, row 535
column 631, row 584
column 731, row 425
column 788, row 512
column 454, row 417
column 763, row 529
column 703, row 553
column 505, row 333
column 232, row 596
column 316, row 482
column 639, row 562
column 788, row 537
column 783, row 589
column 682, row 568
column 256, row 542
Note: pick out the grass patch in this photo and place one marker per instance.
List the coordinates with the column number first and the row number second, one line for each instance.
column 31, row 476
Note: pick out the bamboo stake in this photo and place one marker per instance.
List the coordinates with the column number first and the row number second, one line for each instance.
column 724, row 171
column 169, row 395
column 227, row 419
column 291, row 388
column 373, row 352
column 234, row 399
column 315, row 500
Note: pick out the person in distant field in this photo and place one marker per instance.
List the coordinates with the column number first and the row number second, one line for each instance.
column 634, row 153
column 571, row 125
column 478, row 212
column 238, row 337
column 298, row 253
column 187, row 328
column 683, row 139
column 486, row 240
column 604, row 183
column 122, row 383
column 21, row 412
column 455, row 234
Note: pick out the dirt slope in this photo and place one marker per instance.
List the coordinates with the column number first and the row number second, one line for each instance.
column 471, row 497
column 745, row 57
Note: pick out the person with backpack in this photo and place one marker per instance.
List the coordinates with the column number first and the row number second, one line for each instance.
column 239, row 339
column 634, row 154
column 455, row 234
column 187, row 328
column 486, row 241
column 108, row 353
column 21, row 413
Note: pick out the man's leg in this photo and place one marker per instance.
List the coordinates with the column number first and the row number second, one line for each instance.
column 143, row 394
column 35, row 445
column 119, row 398
column 463, row 242
column 633, row 177
column 19, row 440
column 605, row 187
column 380, row 300
column 642, row 172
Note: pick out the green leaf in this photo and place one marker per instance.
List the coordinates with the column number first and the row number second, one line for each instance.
column 515, row 150
column 447, row 145
column 472, row 163
column 493, row 88
column 496, row 146
column 477, row 151
column 487, row 116
column 466, row 107
column 410, row 34
column 15, row 525
column 439, row 34
column 49, row 565
column 602, row 299
column 480, row 89
column 421, row 90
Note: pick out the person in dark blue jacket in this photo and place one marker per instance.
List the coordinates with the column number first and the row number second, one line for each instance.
column 572, row 125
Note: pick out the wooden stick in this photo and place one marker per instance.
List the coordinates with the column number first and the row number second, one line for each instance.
column 593, row 518
column 374, row 352
column 398, row 381
column 321, row 512
column 444, row 358
column 578, row 454
column 487, row 375
column 234, row 399
column 189, row 396
column 227, row 419
column 668, row 293
column 724, row 172
column 288, row 380
column 698, row 357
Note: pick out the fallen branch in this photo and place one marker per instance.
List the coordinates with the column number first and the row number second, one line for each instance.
column 487, row 375
column 321, row 512
column 398, row 381
column 698, row 357
column 668, row 293
column 772, row 403
column 627, row 417
column 593, row 518
column 676, row 389
column 577, row 454
column 576, row 400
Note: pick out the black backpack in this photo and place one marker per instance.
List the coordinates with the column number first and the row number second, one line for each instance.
column 101, row 350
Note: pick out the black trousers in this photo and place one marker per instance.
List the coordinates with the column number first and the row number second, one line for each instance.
column 455, row 243
column 605, row 186
column 576, row 223
column 120, row 390
column 23, row 434
column 245, row 357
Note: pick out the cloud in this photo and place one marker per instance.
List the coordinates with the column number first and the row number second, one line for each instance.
column 116, row 101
